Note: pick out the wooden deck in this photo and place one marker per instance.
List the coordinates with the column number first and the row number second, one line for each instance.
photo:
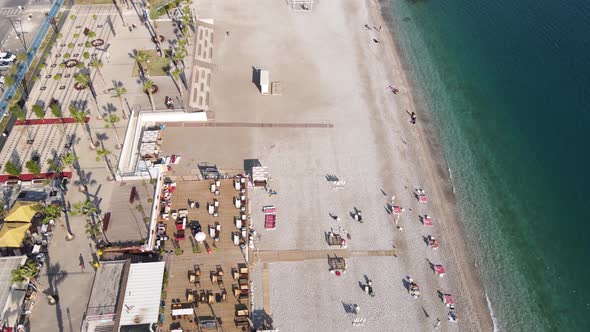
column 223, row 253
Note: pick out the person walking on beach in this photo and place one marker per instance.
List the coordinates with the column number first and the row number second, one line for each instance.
column 413, row 118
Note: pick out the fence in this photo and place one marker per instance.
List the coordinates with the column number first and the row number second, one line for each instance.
column 31, row 52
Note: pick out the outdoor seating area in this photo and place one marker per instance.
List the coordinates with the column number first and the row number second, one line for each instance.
column 209, row 282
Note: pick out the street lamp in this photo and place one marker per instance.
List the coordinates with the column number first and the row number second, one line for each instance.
column 20, row 35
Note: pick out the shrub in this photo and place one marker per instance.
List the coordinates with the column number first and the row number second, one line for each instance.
column 72, row 17
column 87, row 44
column 91, row 34
column 80, row 65
column 76, row 35
column 41, row 66
column 86, row 55
column 94, row 16
column 57, row 77
column 59, row 35
column 66, row 55
column 71, row 45
column 178, row 251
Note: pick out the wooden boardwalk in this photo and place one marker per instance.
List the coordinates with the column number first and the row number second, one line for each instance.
column 269, row 256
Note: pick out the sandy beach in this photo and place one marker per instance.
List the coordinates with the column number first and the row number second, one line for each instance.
column 333, row 72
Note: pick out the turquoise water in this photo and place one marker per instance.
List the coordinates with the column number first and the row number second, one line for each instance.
column 507, row 84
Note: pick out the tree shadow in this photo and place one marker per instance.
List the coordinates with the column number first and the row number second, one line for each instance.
column 109, row 108
column 55, row 276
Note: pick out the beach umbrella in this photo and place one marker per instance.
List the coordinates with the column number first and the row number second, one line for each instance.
column 200, row 237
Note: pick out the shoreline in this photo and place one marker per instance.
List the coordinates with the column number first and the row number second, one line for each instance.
column 437, row 170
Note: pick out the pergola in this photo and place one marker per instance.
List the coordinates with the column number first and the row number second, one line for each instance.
column 301, row 5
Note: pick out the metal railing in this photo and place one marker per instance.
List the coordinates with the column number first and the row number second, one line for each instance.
column 23, row 67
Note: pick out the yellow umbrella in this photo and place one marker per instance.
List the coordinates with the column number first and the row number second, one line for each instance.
column 21, row 212
column 13, row 234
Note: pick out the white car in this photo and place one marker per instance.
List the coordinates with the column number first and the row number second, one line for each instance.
column 7, row 57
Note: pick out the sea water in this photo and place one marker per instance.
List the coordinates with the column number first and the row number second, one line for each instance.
column 507, row 84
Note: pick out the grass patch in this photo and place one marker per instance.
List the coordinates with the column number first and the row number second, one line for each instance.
column 157, row 65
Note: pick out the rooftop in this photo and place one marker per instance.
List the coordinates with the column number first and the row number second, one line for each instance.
column 141, row 303
column 10, row 298
column 128, row 221
column 105, row 290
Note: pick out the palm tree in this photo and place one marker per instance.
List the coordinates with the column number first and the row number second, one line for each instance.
column 118, row 92
column 85, row 208
column 54, row 166
column 141, row 57
column 97, row 64
column 111, row 122
column 175, row 74
column 20, row 114
column 155, row 26
column 69, row 159
column 53, row 212
column 80, row 118
column 103, row 154
column 26, row 272
column 84, row 80
column 148, row 87
column 94, row 230
column 39, row 111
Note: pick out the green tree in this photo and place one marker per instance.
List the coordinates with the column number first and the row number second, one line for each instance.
column 21, row 57
column 54, row 166
column 12, row 169
column 175, row 74
column 80, row 117
column 39, row 111
column 83, row 208
column 118, row 92
column 91, row 34
column 94, row 230
column 55, row 110
column 103, row 154
column 97, row 65
column 53, row 212
column 33, row 167
column 26, row 272
column 140, row 58
column 148, row 87
column 82, row 79
column 111, row 122
column 69, row 159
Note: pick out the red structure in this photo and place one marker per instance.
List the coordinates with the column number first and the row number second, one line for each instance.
column 30, row 177
column 47, row 121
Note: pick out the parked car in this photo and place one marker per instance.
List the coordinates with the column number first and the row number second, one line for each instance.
column 5, row 65
column 7, row 56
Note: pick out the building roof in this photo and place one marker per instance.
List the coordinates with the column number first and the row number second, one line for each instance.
column 141, row 303
column 21, row 211
column 12, row 234
column 105, row 290
column 11, row 295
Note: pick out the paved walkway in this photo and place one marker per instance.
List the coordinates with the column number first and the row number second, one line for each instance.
column 270, row 256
